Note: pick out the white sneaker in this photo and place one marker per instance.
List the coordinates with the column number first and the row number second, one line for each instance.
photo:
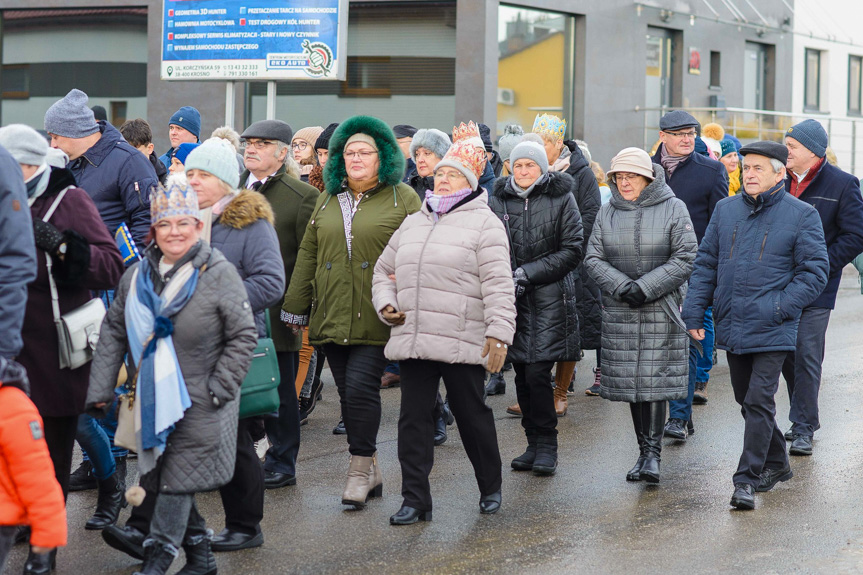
column 261, row 448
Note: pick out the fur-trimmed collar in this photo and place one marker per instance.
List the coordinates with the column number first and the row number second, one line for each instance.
column 392, row 168
column 247, row 208
column 559, row 183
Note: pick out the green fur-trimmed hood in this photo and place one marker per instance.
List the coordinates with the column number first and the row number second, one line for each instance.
column 247, row 208
column 392, row 168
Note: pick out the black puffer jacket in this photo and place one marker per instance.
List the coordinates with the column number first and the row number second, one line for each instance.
column 588, row 294
column 420, row 184
column 547, row 242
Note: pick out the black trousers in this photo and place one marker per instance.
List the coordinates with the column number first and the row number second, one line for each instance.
column 60, row 437
column 536, row 397
column 284, row 431
column 464, row 385
column 357, row 370
column 802, row 370
column 755, row 379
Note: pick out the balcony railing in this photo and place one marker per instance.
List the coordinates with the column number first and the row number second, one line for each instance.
column 753, row 125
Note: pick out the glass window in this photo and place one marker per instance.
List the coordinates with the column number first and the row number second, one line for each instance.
column 812, row 81
column 527, row 39
column 855, row 68
column 715, row 69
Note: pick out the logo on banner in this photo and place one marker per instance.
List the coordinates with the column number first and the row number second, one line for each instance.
column 320, row 58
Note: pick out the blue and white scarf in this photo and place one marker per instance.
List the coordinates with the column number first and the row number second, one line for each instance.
column 161, row 397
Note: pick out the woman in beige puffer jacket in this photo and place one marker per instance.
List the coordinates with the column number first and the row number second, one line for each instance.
column 444, row 282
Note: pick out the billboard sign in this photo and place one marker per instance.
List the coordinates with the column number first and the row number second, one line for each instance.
column 254, row 39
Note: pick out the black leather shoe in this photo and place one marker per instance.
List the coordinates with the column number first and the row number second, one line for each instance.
column 744, row 497
column 440, row 435
column 111, row 500
column 676, row 429
column 801, row 445
column 789, row 435
column 770, row 477
column 634, row 474
column 496, row 384
column 489, row 504
column 340, row 428
column 82, row 479
column 40, row 563
column 275, row 480
column 230, row 540
column 126, row 539
column 408, row 515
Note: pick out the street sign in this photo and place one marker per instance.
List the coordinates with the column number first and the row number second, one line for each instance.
column 254, row 39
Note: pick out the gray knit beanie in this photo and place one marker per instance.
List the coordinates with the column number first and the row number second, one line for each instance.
column 215, row 156
column 71, row 117
column 530, row 151
column 512, row 135
column 811, row 134
column 25, row 144
column 434, row 141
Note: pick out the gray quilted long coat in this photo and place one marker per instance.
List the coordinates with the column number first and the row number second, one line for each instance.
column 650, row 241
column 215, row 336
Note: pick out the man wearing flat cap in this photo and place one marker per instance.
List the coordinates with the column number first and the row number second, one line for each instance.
column 836, row 196
column 701, row 183
column 404, row 134
column 762, row 261
column 266, row 145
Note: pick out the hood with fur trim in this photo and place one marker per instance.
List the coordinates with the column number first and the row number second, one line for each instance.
column 392, row 168
column 247, row 208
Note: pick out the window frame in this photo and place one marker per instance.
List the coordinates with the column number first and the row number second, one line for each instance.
column 806, row 76
column 716, row 58
column 16, row 95
column 858, row 110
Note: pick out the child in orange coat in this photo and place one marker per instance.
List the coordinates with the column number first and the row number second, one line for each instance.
column 29, row 493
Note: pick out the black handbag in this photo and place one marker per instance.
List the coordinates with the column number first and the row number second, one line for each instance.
column 259, row 394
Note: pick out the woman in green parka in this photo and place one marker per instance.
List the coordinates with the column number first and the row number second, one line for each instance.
column 331, row 287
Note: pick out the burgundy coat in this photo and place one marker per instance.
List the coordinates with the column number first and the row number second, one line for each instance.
column 61, row 392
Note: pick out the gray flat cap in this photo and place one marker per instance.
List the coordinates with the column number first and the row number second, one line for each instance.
column 269, row 130
column 773, row 150
column 677, row 120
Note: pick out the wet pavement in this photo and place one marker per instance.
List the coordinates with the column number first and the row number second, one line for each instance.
column 586, row 518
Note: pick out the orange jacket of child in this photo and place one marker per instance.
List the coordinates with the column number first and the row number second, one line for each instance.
column 29, row 492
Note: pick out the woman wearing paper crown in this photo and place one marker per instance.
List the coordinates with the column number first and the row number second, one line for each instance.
column 452, row 309
column 546, row 245
column 183, row 314
column 331, row 287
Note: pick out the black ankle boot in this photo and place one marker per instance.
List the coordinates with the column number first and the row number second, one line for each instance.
column 157, row 558
column 545, row 462
column 524, row 462
column 40, row 563
column 653, row 424
column 199, row 556
column 111, row 500
column 634, row 474
column 408, row 516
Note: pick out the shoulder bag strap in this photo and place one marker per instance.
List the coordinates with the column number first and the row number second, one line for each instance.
column 55, row 299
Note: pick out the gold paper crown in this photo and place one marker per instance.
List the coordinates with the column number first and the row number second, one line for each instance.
column 467, row 132
column 178, row 199
column 549, row 125
column 465, row 153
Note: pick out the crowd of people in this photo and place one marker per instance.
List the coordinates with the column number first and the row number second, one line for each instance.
column 399, row 257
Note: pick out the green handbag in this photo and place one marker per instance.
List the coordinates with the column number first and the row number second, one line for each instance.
column 259, row 394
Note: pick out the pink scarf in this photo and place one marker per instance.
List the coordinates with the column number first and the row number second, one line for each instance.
column 439, row 205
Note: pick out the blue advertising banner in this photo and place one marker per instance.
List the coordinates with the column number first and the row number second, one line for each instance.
column 254, row 39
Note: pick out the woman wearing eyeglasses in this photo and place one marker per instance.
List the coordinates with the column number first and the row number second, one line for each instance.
column 331, row 287
column 303, row 149
column 641, row 254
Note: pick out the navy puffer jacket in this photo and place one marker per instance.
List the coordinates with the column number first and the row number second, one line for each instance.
column 765, row 259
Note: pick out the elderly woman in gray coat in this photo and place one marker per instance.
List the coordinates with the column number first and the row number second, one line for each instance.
column 184, row 317
column 641, row 254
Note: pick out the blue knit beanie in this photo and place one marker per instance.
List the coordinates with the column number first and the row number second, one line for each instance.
column 71, row 117
column 218, row 157
column 811, row 134
column 189, row 119
column 727, row 147
column 183, row 150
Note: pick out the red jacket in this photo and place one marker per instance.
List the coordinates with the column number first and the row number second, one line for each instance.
column 29, row 493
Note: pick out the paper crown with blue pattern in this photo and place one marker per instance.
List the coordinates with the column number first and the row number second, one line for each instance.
column 176, row 199
column 549, row 125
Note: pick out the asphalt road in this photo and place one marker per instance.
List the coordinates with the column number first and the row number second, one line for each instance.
column 586, row 518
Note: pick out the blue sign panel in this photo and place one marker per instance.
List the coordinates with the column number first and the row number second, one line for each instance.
column 254, row 39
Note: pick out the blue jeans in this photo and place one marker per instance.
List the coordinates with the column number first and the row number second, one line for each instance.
column 705, row 362
column 96, row 446
column 393, row 367
column 107, row 428
column 682, row 408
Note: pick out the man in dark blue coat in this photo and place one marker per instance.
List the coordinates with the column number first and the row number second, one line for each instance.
column 701, row 183
column 764, row 260
column 116, row 175
column 836, row 196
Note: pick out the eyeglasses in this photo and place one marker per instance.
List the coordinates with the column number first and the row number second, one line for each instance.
column 301, row 146
column 621, row 178
column 682, row 135
column 364, row 156
column 448, row 176
column 257, row 144
column 183, row 226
